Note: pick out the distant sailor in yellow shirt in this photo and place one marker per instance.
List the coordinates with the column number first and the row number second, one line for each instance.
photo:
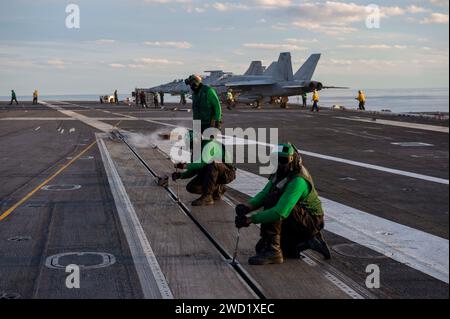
column 362, row 100
column 35, row 97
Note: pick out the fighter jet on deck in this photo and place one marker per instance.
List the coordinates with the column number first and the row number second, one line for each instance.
column 278, row 81
column 216, row 79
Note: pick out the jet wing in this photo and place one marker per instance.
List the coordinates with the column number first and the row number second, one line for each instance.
column 251, row 83
column 325, row 87
column 336, row 87
column 294, row 87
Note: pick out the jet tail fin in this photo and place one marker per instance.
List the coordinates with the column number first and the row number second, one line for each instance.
column 306, row 72
column 255, row 68
column 271, row 69
column 281, row 70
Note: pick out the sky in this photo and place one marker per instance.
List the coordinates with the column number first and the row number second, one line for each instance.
column 123, row 44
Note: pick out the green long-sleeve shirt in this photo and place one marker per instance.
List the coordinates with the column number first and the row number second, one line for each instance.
column 297, row 189
column 212, row 151
column 206, row 106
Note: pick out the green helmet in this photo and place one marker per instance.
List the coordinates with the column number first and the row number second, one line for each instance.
column 193, row 79
column 285, row 150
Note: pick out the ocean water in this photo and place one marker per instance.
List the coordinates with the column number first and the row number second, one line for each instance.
column 395, row 100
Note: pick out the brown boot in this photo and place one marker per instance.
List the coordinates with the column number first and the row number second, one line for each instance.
column 271, row 254
column 260, row 245
column 205, row 200
column 218, row 194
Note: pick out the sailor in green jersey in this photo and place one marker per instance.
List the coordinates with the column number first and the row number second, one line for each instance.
column 205, row 104
column 210, row 173
column 13, row 98
column 292, row 217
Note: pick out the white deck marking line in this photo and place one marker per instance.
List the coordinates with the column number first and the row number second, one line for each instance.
column 354, row 163
column 426, row 127
column 153, row 282
column 339, row 160
column 124, row 117
column 86, row 120
column 379, row 168
column 332, row 278
column 37, row 119
column 67, row 103
column 93, row 118
column 419, row 250
column 343, row 286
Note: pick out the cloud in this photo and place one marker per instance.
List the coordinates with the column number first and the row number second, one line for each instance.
column 148, row 61
column 167, row 1
column 117, row 65
column 439, row 3
column 57, row 63
column 228, row 6
column 281, row 26
column 415, row 9
column 324, row 28
column 272, row 3
column 169, row 44
column 292, row 40
column 436, row 18
column 335, row 18
column 276, row 47
column 105, row 41
column 374, row 46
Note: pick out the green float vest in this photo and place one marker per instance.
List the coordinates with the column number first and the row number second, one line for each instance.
column 200, row 107
column 312, row 203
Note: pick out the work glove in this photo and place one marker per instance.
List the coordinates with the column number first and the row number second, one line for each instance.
column 181, row 166
column 242, row 221
column 176, row 176
column 242, row 210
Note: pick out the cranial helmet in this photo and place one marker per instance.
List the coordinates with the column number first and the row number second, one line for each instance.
column 193, row 80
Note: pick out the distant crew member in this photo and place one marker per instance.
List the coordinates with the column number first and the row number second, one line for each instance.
column 284, row 102
column 305, row 100
column 362, row 100
column 230, row 100
column 315, row 101
column 155, row 100
column 161, row 97
column 13, row 98
column 116, row 97
column 211, row 173
column 205, row 104
column 35, row 97
column 183, row 99
column 143, row 99
column 292, row 217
